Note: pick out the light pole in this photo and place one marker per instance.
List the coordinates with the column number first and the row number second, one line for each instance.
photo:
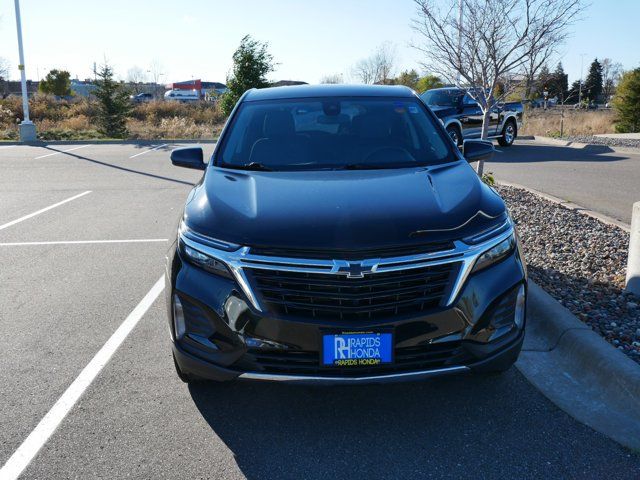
column 27, row 128
column 580, row 85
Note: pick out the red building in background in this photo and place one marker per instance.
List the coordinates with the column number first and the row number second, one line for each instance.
column 188, row 85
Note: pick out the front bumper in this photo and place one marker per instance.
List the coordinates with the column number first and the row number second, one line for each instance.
column 501, row 359
column 453, row 340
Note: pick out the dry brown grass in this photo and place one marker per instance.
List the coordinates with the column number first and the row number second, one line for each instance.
column 576, row 122
column 76, row 119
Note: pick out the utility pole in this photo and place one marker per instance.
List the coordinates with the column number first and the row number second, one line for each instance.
column 580, row 85
column 27, row 128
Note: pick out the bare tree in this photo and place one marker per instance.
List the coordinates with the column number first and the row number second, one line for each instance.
column 4, row 76
column 378, row 68
column 611, row 74
column 532, row 65
column 4, row 69
column 156, row 69
column 333, row 78
column 136, row 76
column 496, row 39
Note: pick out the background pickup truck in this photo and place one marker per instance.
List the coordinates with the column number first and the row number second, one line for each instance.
column 462, row 116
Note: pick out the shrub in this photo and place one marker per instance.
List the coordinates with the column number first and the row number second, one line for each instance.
column 627, row 102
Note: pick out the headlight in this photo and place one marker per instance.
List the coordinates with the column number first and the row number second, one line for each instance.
column 204, row 261
column 188, row 248
column 495, row 253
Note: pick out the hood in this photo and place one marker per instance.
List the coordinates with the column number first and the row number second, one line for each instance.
column 442, row 112
column 345, row 210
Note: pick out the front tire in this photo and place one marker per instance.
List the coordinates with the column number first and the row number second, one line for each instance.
column 455, row 135
column 509, row 134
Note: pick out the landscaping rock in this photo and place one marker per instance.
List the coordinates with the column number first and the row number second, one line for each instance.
column 581, row 262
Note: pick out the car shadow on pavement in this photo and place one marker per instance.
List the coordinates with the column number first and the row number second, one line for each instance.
column 457, row 427
column 532, row 153
column 118, row 167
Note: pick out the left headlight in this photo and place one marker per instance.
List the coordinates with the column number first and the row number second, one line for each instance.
column 496, row 253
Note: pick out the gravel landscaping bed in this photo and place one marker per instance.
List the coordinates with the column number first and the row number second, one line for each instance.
column 581, row 262
column 611, row 142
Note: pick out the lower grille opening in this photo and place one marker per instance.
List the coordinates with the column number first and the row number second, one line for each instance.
column 407, row 359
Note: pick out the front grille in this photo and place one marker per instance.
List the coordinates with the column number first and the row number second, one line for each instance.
column 408, row 359
column 337, row 297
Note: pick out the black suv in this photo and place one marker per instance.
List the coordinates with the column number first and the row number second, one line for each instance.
column 337, row 235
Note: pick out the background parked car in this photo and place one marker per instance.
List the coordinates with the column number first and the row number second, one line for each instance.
column 141, row 97
column 182, row 95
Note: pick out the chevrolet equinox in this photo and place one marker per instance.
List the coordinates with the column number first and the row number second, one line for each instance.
column 338, row 235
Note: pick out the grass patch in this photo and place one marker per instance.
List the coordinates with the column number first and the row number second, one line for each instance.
column 76, row 119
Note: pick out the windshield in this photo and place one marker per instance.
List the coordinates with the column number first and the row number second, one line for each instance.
column 333, row 133
column 442, row 98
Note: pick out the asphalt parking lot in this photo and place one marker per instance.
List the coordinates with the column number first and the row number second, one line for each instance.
column 83, row 234
column 595, row 177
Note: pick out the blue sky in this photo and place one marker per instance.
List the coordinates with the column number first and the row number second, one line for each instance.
column 309, row 38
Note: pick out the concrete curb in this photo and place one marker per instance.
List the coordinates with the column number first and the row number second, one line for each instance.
column 579, row 371
column 40, row 143
column 593, row 146
column 571, row 206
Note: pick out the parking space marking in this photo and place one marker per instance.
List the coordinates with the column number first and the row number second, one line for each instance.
column 150, row 150
column 83, row 242
column 26, row 217
column 61, row 151
column 43, row 431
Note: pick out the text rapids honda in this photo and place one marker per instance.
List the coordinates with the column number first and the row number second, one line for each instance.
column 338, row 235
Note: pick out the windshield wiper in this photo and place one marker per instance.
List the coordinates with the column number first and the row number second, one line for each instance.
column 365, row 166
column 255, row 166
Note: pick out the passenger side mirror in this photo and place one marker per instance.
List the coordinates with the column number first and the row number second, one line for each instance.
column 476, row 150
column 188, row 157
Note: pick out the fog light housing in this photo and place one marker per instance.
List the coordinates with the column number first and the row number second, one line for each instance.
column 521, row 305
column 179, row 324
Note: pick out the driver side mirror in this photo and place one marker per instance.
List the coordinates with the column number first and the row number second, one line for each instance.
column 188, row 157
column 476, row 150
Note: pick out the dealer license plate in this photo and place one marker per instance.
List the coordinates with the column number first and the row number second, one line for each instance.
column 357, row 349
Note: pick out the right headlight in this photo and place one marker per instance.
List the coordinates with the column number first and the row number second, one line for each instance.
column 496, row 253
column 204, row 261
column 188, row 243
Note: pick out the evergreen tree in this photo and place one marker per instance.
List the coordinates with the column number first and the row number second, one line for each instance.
column 57, row 82
column 627, row 102
column 560, row 84
column 544, row 81
column 592, row 88
column 573, row 94
column 251, row 63
column 114, row 105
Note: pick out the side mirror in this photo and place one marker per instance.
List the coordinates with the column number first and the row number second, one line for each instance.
column 476, row 150
column 188, row 157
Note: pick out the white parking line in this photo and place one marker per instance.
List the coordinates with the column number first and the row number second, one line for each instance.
column 82, row 242
column 26, row 217
column 43, row 431
column 61, row 151
column 150, row 150
column 7, row 146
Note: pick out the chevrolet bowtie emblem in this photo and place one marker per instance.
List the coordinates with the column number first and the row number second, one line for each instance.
column 353, row 269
